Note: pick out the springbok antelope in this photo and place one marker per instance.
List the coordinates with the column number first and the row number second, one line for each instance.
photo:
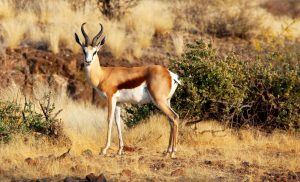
column 137, row 85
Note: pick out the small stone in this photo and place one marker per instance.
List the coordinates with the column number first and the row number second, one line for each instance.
column 87, row 153
column 158, row 165
column 101, row 178
column 51, row 157
column 177, row 172
column 298, row 175
column 64, row 155
column 245, row 164
column 129, row 149
column 141, row 158
column 90, row 177
column 126, row 172
column 69, row 179
column 93, row 178
column 208, row 162
column 32, row 162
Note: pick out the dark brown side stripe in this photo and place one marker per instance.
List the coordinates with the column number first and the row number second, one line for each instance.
column 132, row 83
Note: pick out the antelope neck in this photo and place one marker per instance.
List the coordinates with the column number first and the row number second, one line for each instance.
column 93, row 71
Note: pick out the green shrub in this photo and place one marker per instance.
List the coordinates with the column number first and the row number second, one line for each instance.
column 210, row 88
column 263, row 92
column 137, row 113
column 15, row 118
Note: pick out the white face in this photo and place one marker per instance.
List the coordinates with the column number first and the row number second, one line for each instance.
column 88, row 54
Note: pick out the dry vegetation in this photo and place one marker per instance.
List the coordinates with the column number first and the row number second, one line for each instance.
column 217, row 152
column 53, row 23
column 208, row 151
column 220, row 153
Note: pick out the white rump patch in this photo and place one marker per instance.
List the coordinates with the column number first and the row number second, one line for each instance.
column 175, row 82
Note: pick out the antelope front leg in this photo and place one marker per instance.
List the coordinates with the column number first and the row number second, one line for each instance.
column 118, row 123
column 111, row 109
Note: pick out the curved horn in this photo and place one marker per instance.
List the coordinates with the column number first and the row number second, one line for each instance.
column 87, row 40
column 97, row 36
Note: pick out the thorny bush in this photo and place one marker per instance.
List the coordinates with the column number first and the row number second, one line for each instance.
column 15, row 118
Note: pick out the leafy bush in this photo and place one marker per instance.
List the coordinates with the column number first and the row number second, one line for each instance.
column 262, row 92
column 137, row 113
column 17, row 119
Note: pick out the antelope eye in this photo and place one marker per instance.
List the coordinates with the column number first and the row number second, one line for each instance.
column 94, row 53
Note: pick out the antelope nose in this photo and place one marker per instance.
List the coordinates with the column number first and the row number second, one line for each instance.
column 87, row 62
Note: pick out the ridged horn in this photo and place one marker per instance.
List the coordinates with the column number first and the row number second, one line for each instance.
column 97, row 36
column 87, row 40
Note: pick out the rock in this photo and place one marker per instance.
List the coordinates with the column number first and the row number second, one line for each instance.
column 51, row 157
column 70, row 66
column 129, row 149
column 177, row 172
column 87, row 153
column 58, row 83
column 141, row 158
column 208, row 162
column 157, row 166
column 32, row 162
column 44, row 180
column 78, row 167
column 245, row 164
column 101, row 178
column 126, row 172
column 298, row 174
column 64, row 155
column 71, row 179
column 92, row 178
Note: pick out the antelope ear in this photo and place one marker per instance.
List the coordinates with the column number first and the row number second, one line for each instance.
column 77, row 39
column 101, row 43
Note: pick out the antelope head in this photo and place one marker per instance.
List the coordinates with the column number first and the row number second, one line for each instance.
column 90, row 49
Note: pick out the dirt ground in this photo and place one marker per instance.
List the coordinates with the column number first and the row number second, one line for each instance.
column 208, row 153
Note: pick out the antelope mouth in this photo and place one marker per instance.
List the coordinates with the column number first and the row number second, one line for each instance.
column 87, row 63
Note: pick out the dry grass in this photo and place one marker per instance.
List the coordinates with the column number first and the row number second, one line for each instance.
column 178, row 44
column 55, row 23
column 12, row 36
column 265, row 150
column 210, row 142
column 117, row 41
column 227, row 149
column 236, row 18
column 6, row 10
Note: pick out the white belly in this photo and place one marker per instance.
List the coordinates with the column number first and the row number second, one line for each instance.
column 138, row 95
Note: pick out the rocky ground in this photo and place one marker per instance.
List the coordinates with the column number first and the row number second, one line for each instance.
column 204, row 154
column 142, row 165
